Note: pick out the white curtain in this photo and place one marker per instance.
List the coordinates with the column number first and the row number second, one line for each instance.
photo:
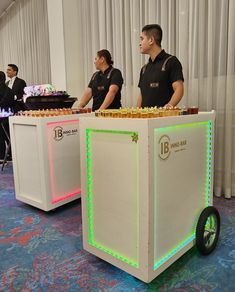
column 24, row 40
column 201, row 33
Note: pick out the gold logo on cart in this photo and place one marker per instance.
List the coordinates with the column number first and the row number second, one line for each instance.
column 58, row 133
column 165, row 147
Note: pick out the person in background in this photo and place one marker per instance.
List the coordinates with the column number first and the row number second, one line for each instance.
column 6, row 104
column 6, row 94
column 17, row 85
column 105, row 84
column 161, row 79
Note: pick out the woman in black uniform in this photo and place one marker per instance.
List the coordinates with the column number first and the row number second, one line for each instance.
column 105, row 84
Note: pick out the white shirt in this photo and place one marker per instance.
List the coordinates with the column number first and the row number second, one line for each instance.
column 11, row 82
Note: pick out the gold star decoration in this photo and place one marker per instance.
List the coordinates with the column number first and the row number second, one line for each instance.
column 135, row 137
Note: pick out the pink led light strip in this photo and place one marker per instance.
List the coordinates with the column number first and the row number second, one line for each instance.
column 62, row 122
column 51, row 166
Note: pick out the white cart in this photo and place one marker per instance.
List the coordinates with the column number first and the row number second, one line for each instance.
column 46, row 160
column 145, row 183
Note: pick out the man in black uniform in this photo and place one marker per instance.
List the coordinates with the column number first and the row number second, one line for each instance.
column 161, row 79
column 105, row 85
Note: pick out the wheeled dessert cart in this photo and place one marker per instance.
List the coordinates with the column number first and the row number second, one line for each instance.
column 46, row 159
column 147, row 187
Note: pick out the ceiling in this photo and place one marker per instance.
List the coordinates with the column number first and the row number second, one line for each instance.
column 4, row 4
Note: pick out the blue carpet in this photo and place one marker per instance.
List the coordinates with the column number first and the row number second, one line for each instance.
column 42, row 251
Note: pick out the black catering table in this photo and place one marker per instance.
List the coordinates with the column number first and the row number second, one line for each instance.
column 48, row 102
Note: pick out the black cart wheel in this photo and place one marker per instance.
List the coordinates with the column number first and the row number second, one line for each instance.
column 208, row 229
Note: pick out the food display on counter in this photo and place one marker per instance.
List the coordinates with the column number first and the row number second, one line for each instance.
column 45, row 96
column 42, row 90
column 53, row 112
column 152, row 112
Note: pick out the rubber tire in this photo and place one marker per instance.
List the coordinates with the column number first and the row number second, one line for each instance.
column 200, row 242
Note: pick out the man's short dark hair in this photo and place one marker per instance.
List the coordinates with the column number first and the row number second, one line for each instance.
column 14, row 67
column 155, row 31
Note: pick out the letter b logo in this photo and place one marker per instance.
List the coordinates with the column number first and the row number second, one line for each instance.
column 58, row 133
column 164, row 147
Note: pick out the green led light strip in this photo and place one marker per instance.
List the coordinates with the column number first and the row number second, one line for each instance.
column 208, row 193
column 183, row 126
column 110, row 131
column 91, row 239
column 174, row 251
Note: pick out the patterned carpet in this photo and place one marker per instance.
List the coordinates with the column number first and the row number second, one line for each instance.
column 42, row 251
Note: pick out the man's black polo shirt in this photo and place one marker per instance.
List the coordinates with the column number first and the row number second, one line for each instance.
column 156, row 79
column 100, row 83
